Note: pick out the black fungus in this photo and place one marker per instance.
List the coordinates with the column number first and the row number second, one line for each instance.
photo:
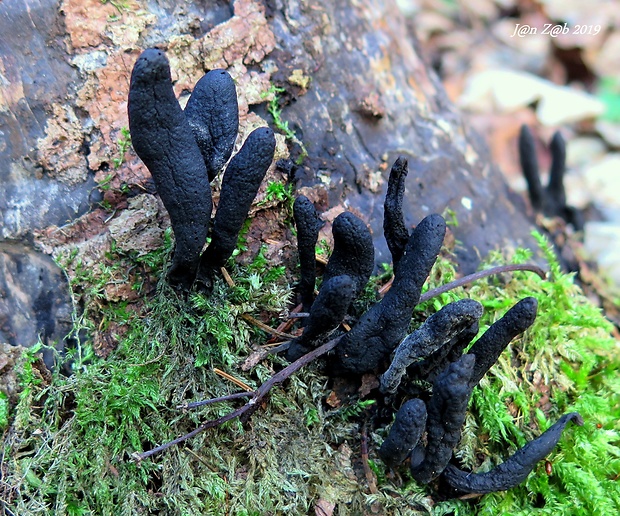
column 240, row 183
column 163, row 139
column 438, row 330
column 405, row 433
column 433, row 364
column 308, row 224
column 489, row 347
column 394, row 228
column 354, row 253
column 326, row 314
column 385, row 324
column 213, row 115
column 446, row 415
column 555, row 189
column 529, row 166
column 551, row 201
column 515, row 469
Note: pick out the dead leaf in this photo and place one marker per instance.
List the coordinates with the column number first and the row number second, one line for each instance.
column 324, row 508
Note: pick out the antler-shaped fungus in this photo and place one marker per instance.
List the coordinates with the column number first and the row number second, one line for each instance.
column 185, row 150
column 163, row 139
column 438, row 330
column 384, row 325
column 241, row 181
column 405, row 432
column 394, row 228
column 213, row 114
column 326, row 314
column 551, row 201
column 354, row 252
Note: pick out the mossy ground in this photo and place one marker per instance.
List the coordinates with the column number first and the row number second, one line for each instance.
column 68, row 446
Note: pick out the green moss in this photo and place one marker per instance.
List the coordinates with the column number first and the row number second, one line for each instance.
column 275, row 110
column 70, row 442
column 4, row 411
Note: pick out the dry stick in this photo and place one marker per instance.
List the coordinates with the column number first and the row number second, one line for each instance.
column 264, row 327
column 201, row 403
column 250, row 407
column 285, row 326
column 482, row 274
column 232, row 379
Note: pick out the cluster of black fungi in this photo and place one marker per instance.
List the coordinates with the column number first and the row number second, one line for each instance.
column 185, row 150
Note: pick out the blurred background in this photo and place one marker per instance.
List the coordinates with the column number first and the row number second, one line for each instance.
column 550, row 64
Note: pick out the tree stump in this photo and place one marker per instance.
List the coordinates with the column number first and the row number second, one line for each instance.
column 348, row 80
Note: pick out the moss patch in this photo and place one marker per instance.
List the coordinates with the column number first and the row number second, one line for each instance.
column 69, row 444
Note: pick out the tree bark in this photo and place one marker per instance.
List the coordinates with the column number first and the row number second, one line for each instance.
column 356, row 92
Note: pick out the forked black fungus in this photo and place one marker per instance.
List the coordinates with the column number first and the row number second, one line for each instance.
column 490, row 345
column 439, row 329
column 446, row 415
column 405, row 432
column 515, row 469
column 354, row 253
column 385, row 324
column 551, row 201
column 326, row 314
column 213, row 114
column 394, row 228
column 163, row 139
column 241, row 181
column 308, row 224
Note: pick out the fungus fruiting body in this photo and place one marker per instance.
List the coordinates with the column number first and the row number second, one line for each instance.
column 394, row 229
column 213, row 114
column 354, row 253
column 488, row 348
column 551, row 201
column 405, row 433
column 308, row 224
column 185, row 150
column 327, row 312
column 516, row 468
column 240, row 184
column 384, row 325
column 163, row 139
column 446, row 414
column 438, row 330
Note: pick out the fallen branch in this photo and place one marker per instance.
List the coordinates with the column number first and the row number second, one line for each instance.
column 246, row 411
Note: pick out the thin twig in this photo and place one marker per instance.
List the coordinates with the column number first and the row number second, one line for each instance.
column 202, row 403
column 298, row 315
column 479, row 275
column 227, row 277
column 250, row 407
column 265, row 327
column 232, row 379
column 285, row 326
